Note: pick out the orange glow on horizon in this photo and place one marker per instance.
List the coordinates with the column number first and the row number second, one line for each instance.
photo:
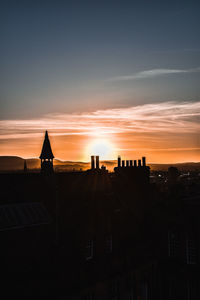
column 165, row 132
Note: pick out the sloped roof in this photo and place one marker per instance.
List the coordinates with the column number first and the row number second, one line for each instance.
column 13, row 216
column 46, row 148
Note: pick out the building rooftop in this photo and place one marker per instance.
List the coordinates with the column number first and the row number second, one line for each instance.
column 20, row 215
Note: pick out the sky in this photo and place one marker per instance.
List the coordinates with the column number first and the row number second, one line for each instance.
column 120, row 75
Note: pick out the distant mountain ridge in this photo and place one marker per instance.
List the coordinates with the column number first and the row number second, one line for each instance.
column 15, row 163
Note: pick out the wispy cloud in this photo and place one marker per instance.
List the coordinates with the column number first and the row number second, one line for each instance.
column 152, row 73
column 165, row 117
column 158, row 130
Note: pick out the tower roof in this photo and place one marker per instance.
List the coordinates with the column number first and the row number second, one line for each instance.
column 46, row 148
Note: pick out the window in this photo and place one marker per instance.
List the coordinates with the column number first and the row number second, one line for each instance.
column 191, row 290
column 88, row 296
column 89, row 250
column 173, row 288
column 131, row 295
column 131, row 287
column 191, row 251
column 109, row 244
column 173, row 244
column 144, row 291
column 114, row 289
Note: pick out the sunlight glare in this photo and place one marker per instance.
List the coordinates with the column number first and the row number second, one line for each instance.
column 101, row 147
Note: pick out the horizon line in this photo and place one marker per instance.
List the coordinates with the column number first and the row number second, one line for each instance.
column 103, row 160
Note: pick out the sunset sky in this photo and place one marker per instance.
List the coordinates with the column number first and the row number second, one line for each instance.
column 111, row 77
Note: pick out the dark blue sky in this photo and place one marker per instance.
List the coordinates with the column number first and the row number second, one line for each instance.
column 72, row 56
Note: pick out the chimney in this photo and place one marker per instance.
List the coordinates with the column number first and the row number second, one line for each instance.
column 92, row 162
column 135, row 163
column 119, row 161
column 127, row 163
column 123, row 163
column 131, row 163
column 144, row 161
column 139, row 163
column 97, row 162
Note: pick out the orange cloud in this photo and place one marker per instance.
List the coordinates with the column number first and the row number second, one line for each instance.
column 158, row 130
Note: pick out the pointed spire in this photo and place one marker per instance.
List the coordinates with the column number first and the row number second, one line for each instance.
column 46, row 149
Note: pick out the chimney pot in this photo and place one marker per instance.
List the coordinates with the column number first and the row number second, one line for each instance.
column 144, row 161
column 97, row 162
column 92, row 162
column 119, row 161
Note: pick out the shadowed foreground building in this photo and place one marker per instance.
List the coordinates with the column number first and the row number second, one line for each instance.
column 99, row 235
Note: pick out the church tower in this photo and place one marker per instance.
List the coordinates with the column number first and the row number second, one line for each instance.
column 46, row 156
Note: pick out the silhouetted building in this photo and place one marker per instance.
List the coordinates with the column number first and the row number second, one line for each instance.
column 103, row 169
column 139, row 172
column 173, row 175
column 46, row 156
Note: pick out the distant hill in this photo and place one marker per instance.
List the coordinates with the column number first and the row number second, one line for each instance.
column 15, row 163
column 188, row 166
column 11, row 163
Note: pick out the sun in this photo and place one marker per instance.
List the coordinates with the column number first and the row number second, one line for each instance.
column 102, row 147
